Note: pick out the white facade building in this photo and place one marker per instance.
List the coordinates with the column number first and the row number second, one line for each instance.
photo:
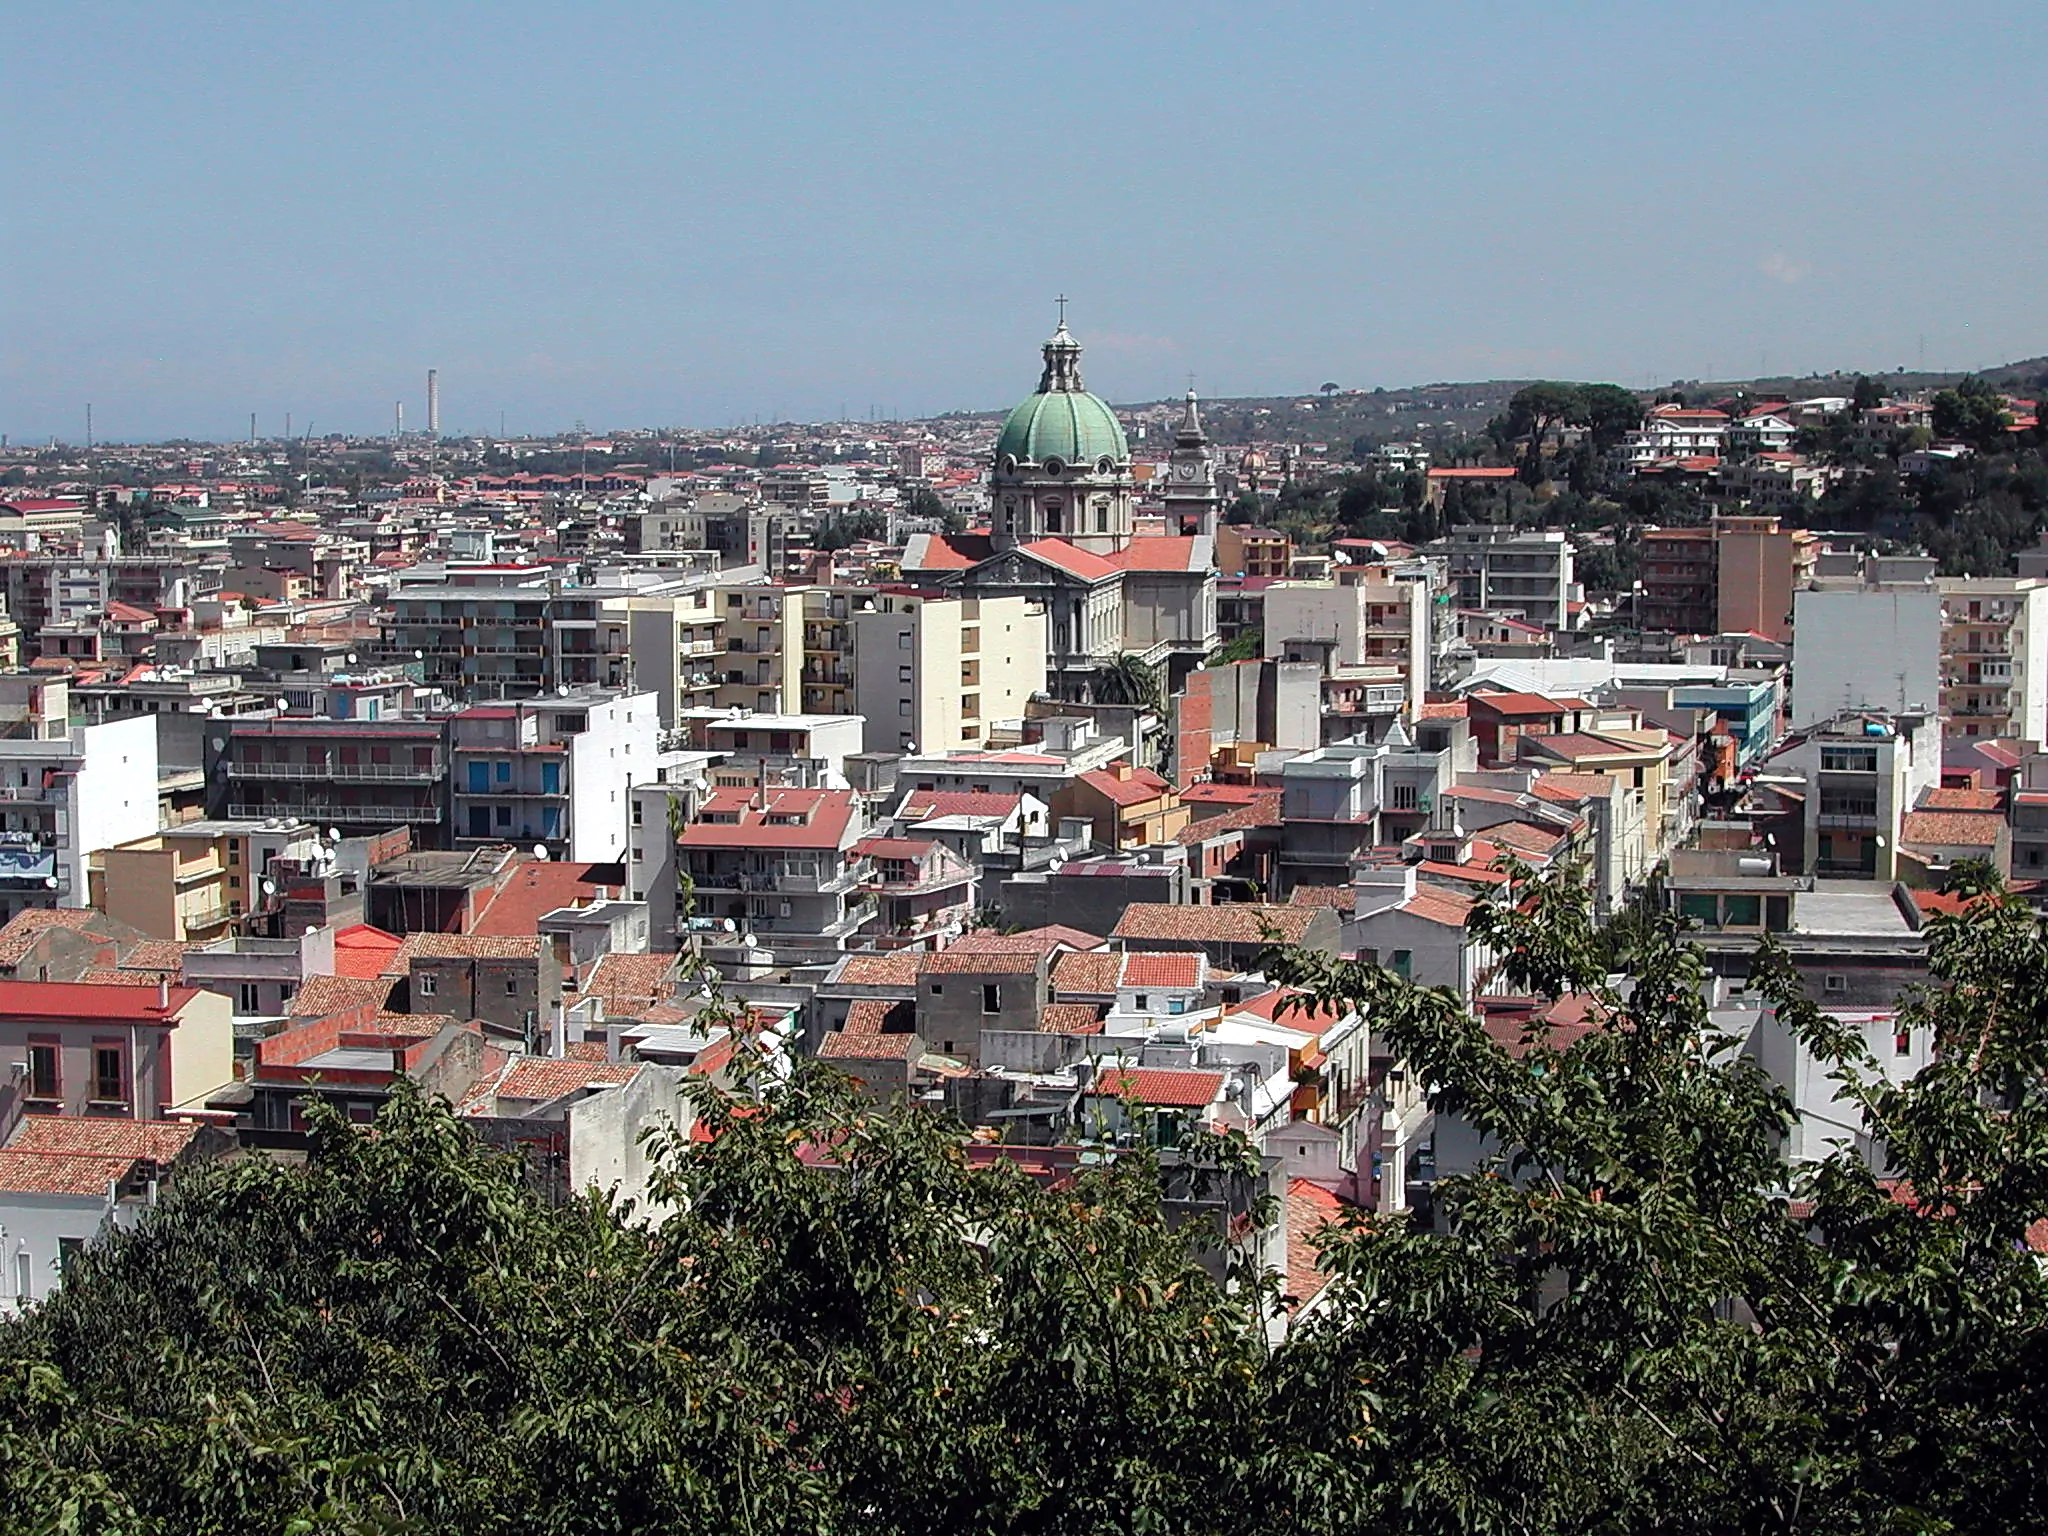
column 1876, row 648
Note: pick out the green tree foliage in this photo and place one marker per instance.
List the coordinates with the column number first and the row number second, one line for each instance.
column 1249, row 645
column 1130, row 679
column 1974, row 413
column 1635, row 1317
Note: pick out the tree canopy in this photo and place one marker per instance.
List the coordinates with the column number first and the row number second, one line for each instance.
column 1634, row 1316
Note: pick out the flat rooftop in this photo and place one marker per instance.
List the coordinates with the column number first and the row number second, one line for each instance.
column 1850, row 908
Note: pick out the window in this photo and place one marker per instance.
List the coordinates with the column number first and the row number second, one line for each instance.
column 1835, row 982
column 902, row 639
column 903, row 707
column 903, row 674
column 938, row 989
column 1902, row 1043
column 424, row 984
column 109, row 1074
column 1144, row 1000
column 991, row 998
column 234, row 851
column 248, row 997
column 1405, row 797
column 43, row 1081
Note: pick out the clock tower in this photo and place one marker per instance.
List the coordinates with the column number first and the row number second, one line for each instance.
column 1191, row 496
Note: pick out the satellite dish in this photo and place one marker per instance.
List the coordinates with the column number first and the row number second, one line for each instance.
column 334, row 834
column 351, row 658
column 269, row 886
column 751, row 942
column 910, row 746
column 731, row 926
column 50, row 881
column 540, row 851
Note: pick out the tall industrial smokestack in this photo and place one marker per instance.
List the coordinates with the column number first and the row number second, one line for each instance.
column 433, row 402
column 398, row 418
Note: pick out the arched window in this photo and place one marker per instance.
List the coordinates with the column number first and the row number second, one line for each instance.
column 1052, row 515
column 1102, row 514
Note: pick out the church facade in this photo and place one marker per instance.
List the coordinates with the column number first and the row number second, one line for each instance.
column 1060, row 532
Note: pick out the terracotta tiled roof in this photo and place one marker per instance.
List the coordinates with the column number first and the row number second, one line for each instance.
column 362, row 951
column 1571, row 788
column 1158, row 1086
column 1154, row 552
column 1090, row 973
column 1239, row 923
column 1178, row 969
column 979, row 962
column 540, row 1078
column 1033, row 941
column 539, row 886
column 321, row 995
column 897, row 970
column 1338, row 898
column 841, row 1046
column 1955, row 829
column 1134, row 788
column 54, row 1173
column 155, row 955
column 160, row 1141
column 1475, row 873
column 642, row 978
column 1517, row 704
column 1521, row 839
column 1447, row 709
column 1060, row 933
column 826, row 815
column 1070, row 558
column 921, row 803
column 24, row 928
column 868, row 1015
column 111, row 976
column 1262, row 812
column 1438, row 906
column 1963, row 800
column 1070, row 1019
column 468, row 946
column 1310, row 1208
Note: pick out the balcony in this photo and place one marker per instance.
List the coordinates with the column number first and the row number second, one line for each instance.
column 340, row 773
column 358, row 815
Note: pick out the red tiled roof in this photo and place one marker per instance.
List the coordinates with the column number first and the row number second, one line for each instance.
column 922, row 803
column 1152, row 552
column 1338, row 898
column 1092, row 972
column 644, row 977
column 1159, row 1086
column 1957, row 829
column 1070, row 1019
column 913, row 849
column 363, row 952
column 1172, row 969
column 540, row 886
column 322, row 995
column 1070, row 558
column 826, row 812
column 1963, row 800
column 1472, row 872
column 27, row 926
column 947, row 552
column 54, row 1173
column 1517, row 703
column 159, row 1141
column 897, row 970
column 1310, row 1208
column 1224, row 794
column 75, row 1000
column 1438, row 906
column 1262, row 812
column 539, row 1078
column 979, row 962
column 842, row 1046
column 1132, row 788
column 1238, row 923
column 467, row 946
column 1571, row 788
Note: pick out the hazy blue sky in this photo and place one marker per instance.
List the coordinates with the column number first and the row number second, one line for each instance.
column 646, row 214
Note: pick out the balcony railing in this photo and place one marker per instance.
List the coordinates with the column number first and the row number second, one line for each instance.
column 338, row 773
column 362, row 815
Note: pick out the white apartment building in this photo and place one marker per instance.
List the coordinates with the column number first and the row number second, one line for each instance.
column 1865, row 647
column 556, row 771
column 931, row 673
column 1367, row 629
column 1994, row 656
column 66, row 792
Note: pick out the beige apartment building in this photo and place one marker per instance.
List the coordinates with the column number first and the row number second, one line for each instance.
column 677, row 642
column 1994, row 656
column 1760, row 566
column 198, row 880
column 931, row 674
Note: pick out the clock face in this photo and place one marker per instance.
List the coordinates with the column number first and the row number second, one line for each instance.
column 1189, row 471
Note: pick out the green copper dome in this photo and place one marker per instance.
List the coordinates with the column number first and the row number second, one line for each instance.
column 1063, row 421
column 1074, row 427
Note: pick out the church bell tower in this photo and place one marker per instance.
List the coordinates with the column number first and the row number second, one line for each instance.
column 1192, row 499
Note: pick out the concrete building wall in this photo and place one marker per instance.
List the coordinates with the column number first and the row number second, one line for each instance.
column 113, row 794
column 616, row 747
column 1866, row 648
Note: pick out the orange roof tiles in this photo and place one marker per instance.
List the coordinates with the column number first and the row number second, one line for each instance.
column 1310, row 1208
column 1438, row 906
column 897, row 970
column 979, row 962
column 322, row 995
column 1963, row 800
column 1159, row 1086
column 1235, row 923
column 1092, row 972
column 1338, row 898
column 26, row 927
column 1181, row 969
column 1070, row 1019
column 1132, row 788
column 841, row 1046
column 540, row 1079
column 158, row 1141
column 53, row 1173
column 363, row 952
column 1956, row 829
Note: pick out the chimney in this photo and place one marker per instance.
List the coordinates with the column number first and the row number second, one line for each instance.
column 163, row 994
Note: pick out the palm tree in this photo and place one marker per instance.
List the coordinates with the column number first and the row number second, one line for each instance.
column 1130, row 679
